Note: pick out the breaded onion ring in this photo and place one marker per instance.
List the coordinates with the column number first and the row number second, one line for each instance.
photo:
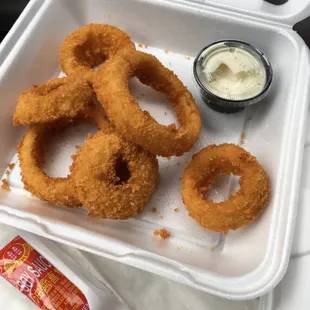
column 59, row 191
column 113, row 178
column 244, row 206
column 137, row 125
column 56, row 99
column 89, row 45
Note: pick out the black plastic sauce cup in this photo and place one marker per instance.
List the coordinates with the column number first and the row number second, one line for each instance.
column 225, row 105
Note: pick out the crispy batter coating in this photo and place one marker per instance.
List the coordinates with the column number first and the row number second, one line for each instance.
column 58, row 191
column 90, row 45
column 109, row 193
column 111, row 87
column 244, row 206
column 56, row 99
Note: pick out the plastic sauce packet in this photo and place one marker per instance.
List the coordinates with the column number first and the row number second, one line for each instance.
column 38, row 279
column 50, row 279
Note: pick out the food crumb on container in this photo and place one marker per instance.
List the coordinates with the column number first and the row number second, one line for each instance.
column 242, row 138
column 211, row 249
column 176, row 210
column 161, row 217
column 250, row 118
column 163, row 233
column 5, row 185
column 11, row 166
column 154, row 210
column 187, row 57
column 142, row 45
column 166, row 51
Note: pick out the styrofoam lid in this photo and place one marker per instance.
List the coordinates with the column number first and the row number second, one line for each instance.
column 288, row 13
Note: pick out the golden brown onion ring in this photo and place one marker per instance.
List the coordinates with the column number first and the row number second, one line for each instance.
column 113, row 178
column 56, row 99
column 244, row 206
column 59, row 191
column 111, row 87
column 90, row 45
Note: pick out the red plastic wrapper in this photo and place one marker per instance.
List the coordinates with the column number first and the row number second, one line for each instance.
column 38, row 279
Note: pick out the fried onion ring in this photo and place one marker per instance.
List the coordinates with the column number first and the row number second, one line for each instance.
column 58, row 191
column 58, row 98
column 244, row 206
column 137, row 125
column 109, row 193
column 89, row 45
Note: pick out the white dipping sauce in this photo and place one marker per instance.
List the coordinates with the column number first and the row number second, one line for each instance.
column 232, row 73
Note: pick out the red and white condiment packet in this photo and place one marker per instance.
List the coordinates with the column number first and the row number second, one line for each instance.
column 51, row 279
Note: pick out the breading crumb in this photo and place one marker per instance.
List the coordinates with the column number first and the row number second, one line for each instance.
column 11, row 166
column 7, row 172
column 154, row 210
column 187, row 57
column 166, row 51
column 163, row 233
column 250, row 118
column 77, row 146
column 211, row 249
column 5, row 185
column 161, row 217
column 242, row 138
column 142, row 45
column 176, row 210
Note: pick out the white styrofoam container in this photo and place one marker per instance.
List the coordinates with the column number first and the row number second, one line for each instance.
column 244, row 264
column 293, row 291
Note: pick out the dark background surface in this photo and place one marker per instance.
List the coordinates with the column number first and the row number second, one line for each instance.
column 9, row 12
column 11, row 9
